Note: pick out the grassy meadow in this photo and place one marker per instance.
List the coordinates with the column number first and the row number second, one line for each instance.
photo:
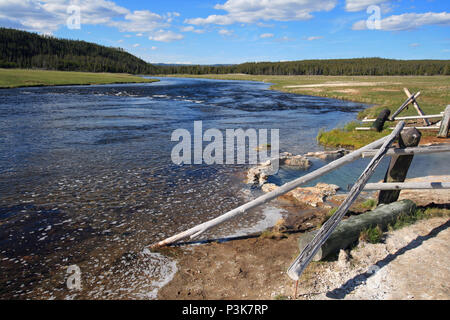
column 378, row 92
column 13, row 78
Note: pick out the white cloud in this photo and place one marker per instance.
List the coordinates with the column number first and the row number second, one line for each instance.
column 314, row 38
column 165, row 36
column 136, row 45
column 414, row 45
column 225, row 32
column 253, row 11
column 139, row 21
column 266, row 35
column 408, row 21
column 359, row 5
column 192, row 29
column 47, row 16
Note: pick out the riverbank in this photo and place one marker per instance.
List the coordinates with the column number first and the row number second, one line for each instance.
column 15, row 78
column 255, row 267
column 379, row 92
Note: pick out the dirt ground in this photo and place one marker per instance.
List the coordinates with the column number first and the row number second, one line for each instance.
column 411, row 263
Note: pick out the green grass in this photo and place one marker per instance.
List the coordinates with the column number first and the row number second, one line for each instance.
column 372, row 235
column 419, row 214
column 12, row 78
column 375, row 234
column 369, row 204
column 378, row 92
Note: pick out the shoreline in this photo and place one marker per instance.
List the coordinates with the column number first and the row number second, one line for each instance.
column 34, row 78
column 254, row 267
column 238, row 269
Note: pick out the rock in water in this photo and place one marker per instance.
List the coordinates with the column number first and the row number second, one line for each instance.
column 298, row 161
column 328, row 155
column 312, row 196
column 259, row 174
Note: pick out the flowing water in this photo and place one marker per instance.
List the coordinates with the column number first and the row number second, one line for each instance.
column 86, row 177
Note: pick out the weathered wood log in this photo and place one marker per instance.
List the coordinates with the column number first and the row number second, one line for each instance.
column 416, row 105
column 305, row 257
column 349, row 230
column 407, row 186
column 197, row 230
column 423, row 128
column 392, row 128
column 431, row 116
column 382, row 118
column 445, row 124
column 410, row 151
column 404, row 105
column 399, row 165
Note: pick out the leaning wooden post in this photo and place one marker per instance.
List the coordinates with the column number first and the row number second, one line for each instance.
column 404, row 105
column 445, row 124
column 399, row 165
column 308, row 253
column 416, row 105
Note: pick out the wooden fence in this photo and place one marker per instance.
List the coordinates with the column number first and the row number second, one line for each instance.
column 401, row 158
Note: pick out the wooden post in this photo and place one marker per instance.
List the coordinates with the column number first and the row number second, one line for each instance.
column 410, row 151
column 408, row 186
column 197, row 230
column 305, row 257
column 404, row 105
column 445, row 124
column 399, row 165
column 382, row 118
column 416, row 105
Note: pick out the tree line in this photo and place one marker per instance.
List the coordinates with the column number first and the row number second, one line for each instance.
column 20, row 49
column 338, row 67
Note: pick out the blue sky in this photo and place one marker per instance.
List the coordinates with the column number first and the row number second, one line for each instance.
column 235, row 31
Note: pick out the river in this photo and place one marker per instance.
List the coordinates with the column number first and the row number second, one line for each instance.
column 86, row 177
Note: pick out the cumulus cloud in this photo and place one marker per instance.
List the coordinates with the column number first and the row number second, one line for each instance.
column 47, row 16
column 252, row 11
column 192, row 29
column 139, row 21
column 226, row 32
column 408, row 21
column 165, row 36
column 266, row 35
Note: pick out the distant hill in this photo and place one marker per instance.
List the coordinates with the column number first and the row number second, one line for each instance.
column 338, row 67
column 20, row 49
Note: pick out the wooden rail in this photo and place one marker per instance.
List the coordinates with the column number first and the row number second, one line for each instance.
column 308, row 253
column 410, row 151
column 416, row 106
column 411, row 99
column 431, row 116
column 407, row 186
column 365, row 152
column 199, row 229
